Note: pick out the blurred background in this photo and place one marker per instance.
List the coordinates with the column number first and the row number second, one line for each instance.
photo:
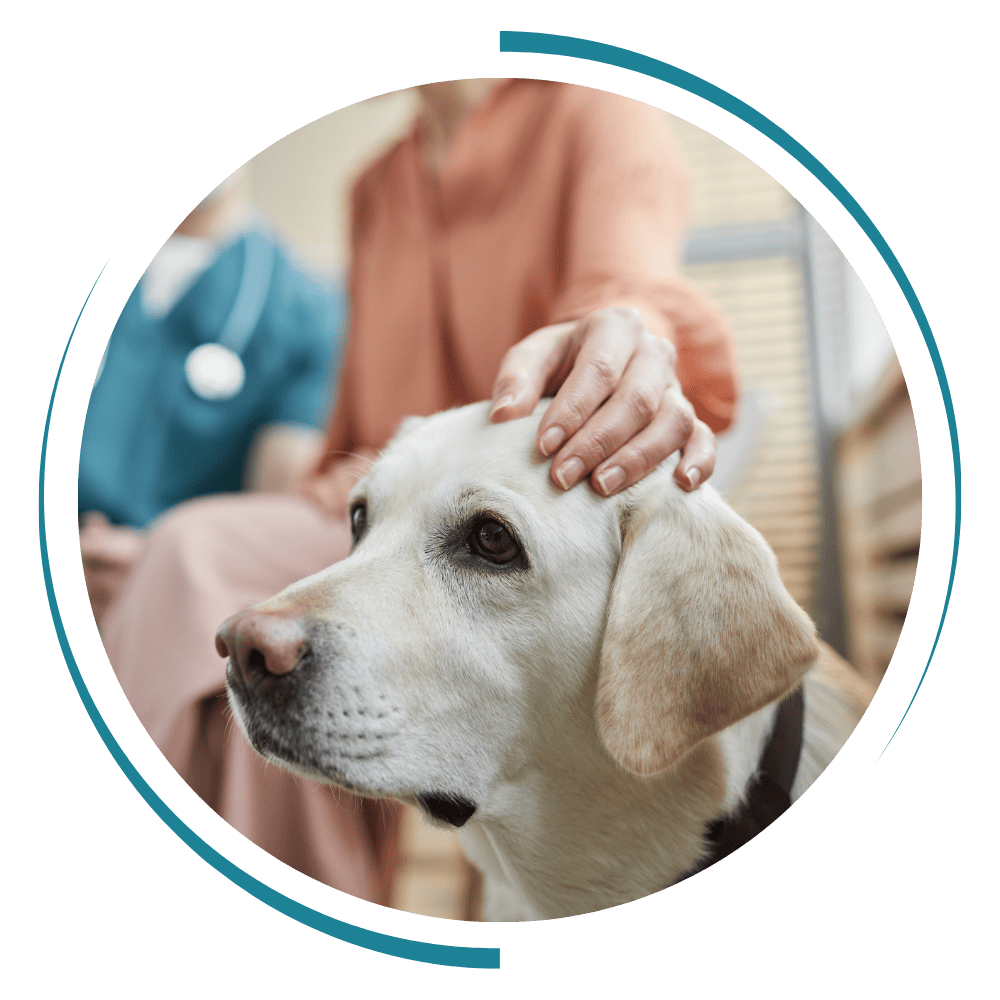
column 823, row 459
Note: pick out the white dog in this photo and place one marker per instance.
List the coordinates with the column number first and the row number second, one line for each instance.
column 585, row 686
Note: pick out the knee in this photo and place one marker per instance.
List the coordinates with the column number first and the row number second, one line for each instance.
column 254, row 541
column 193, row 529
column 193, row 517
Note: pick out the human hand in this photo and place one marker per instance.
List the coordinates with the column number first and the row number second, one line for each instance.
column 109, row 552
column 618, row 409
column 281, row 458
column 330, row 489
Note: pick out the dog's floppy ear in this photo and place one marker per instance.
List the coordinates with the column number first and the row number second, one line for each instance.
column 700, row 631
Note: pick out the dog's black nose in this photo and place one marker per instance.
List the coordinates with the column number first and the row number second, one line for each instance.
column 262, row 644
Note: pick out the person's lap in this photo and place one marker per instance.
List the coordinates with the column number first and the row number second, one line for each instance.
column 204, row 561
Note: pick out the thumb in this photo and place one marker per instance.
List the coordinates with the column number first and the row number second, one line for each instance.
column 527, row 369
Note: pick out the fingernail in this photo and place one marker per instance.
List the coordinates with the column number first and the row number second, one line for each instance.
column 610, row 479
column 693, row 477
column 569, row 472
column 501, row 403
column 551, row 440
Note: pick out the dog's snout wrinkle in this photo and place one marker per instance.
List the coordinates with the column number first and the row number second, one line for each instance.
column 261, row 645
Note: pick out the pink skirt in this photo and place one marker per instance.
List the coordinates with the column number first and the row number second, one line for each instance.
column 204, row 561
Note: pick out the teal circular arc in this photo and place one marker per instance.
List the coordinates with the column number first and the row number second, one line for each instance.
column 421, row 951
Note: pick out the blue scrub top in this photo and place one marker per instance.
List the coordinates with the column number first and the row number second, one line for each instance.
column 149, row 442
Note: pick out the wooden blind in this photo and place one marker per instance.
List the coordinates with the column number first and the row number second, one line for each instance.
column 764, row 299
column 880, row 499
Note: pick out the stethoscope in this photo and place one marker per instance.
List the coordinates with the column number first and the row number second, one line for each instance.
column 215, row 371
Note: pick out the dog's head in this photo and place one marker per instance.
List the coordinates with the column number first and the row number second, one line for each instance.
column 482, row 614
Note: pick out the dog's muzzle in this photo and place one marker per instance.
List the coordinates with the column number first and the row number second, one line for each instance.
column 294, row 709
column 275, row 686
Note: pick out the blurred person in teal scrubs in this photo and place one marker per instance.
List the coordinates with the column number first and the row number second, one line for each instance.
column 217, row 377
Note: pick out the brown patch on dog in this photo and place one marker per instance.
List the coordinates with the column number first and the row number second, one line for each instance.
column 701, row 632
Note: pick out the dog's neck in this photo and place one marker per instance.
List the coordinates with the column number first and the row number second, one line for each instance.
column 576, row 833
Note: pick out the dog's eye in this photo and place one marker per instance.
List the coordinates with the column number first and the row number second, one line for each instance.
column 491, row 540
column 359, row 519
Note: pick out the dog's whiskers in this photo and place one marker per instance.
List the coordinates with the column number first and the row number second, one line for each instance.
column 230, row 715
column 340, row 453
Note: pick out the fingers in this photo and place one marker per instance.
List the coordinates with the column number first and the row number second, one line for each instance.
column 528, row 368
column 646, row 450
column 698, row 458
column 104, row 544
column 618, row 456
column 615, row 356
column 102, row 588
column 618, row 412
column 108, row 552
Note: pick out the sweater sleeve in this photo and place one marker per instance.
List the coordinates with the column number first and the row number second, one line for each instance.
column 626, row 207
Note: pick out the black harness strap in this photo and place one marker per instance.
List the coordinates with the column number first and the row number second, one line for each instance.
column 769, row 795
